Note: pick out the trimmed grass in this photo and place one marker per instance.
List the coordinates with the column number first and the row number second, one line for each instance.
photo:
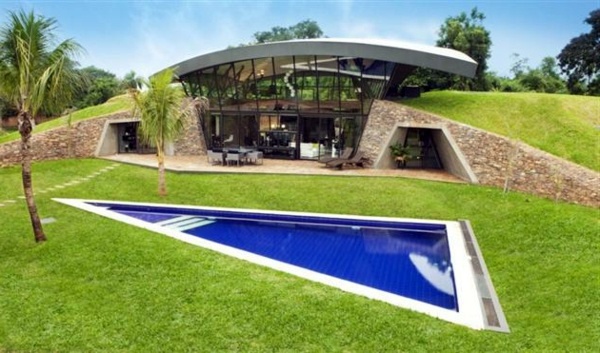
column 113, row 105
column 99, row 285
column 564, row 125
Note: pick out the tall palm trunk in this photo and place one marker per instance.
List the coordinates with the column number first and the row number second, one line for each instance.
column 25, row 127
column 162, row 185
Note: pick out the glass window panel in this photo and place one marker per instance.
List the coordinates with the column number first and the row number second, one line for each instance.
column 208, row 88
column 375, row 69
column 230, row 134
column 327, row 84
column 227, row 87
column 245, row 85
column 212, row 131
column 349, row 87
column 284, row 82
column 265, row 83
column 306, row 83
column 249, row 131
column 289, row 122
column 349, row 132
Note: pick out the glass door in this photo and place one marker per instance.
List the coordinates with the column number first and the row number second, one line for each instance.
column 317, row 137
column 277, row 136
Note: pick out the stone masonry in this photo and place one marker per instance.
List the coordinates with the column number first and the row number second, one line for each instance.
column 82, row 138
column 495, row 160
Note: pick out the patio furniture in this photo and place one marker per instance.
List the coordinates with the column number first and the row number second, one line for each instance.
column 235, row 156
column 215, row 157
column 356, row 161
column 254, row 157
column 345, row 155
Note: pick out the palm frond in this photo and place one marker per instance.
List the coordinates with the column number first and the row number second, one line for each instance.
column 34, row 74
column 160, row 110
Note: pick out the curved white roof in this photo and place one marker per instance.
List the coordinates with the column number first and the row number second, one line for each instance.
column 410, row 54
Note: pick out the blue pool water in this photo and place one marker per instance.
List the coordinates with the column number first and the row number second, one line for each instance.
column 408, row 259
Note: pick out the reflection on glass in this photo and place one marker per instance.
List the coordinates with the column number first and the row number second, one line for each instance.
column 338, row 91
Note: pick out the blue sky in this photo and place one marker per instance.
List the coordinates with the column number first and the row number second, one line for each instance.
column 146, row 36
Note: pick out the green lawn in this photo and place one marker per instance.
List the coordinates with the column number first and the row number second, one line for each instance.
column 113, row 105
column 564, row 125
column 99, row 285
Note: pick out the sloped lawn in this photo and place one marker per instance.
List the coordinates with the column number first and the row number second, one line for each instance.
column 98, row 285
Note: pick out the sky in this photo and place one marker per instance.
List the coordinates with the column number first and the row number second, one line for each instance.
column 147, row 36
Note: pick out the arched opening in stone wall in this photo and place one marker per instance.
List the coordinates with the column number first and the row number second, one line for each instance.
column 122, row 136
column 425, row 147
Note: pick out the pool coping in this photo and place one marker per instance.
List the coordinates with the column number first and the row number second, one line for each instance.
column 465, row 277
column 488, row 298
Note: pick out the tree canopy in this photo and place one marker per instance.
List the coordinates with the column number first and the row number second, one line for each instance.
column 467, row 34
column 580, row 59
column 100, row 86
column 302, row 30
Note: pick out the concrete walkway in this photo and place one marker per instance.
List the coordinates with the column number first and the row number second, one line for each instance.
column 198, row 164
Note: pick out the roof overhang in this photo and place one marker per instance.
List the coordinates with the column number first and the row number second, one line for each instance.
column 416, row 55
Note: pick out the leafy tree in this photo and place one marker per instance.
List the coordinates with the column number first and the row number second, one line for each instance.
column 162, row 116
column 34, row 73
column 466, row 33
column 100, row 86
column 302, row 30
column 131, row 81
column 519, row 66
column 544, row 78
column 580, row 59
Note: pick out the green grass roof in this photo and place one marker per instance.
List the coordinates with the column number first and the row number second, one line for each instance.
column 113, row 105
column 564, row 125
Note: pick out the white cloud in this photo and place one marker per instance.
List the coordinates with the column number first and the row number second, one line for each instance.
column 157, row 39
column 424, row 31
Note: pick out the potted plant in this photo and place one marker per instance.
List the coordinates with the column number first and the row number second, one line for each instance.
column 400, row 153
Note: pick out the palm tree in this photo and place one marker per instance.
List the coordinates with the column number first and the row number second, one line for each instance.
column 131, row 81
column 162, row 116
column 34, row 76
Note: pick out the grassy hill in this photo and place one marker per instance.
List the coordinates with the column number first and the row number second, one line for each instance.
column 113, row 105
column 564, row 125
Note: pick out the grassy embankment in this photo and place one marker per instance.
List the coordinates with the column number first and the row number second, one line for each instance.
column 113, row 105
column 564, row 125
column 99, row 285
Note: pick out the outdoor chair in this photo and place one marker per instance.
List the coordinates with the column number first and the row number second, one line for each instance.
column 234, row 156
column 214, row 157
column 356, row 161
column 345, row 155
column 254, row 157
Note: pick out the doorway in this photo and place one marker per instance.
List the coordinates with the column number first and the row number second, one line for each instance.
column 129, row 141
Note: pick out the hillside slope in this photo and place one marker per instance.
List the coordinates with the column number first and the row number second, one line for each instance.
column 113, row 105
column 563, row 125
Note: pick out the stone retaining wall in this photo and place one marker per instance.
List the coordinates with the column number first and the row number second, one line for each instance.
column 82, row 138
column 78, row 141
column 494, row 159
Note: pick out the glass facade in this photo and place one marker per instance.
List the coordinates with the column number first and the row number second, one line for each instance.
column 297, row 107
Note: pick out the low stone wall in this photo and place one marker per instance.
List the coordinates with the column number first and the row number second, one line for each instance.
column 82, row 138
column 494, row 159
column 78, row 141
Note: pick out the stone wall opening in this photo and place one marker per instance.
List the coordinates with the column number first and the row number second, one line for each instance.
column 429, row 147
